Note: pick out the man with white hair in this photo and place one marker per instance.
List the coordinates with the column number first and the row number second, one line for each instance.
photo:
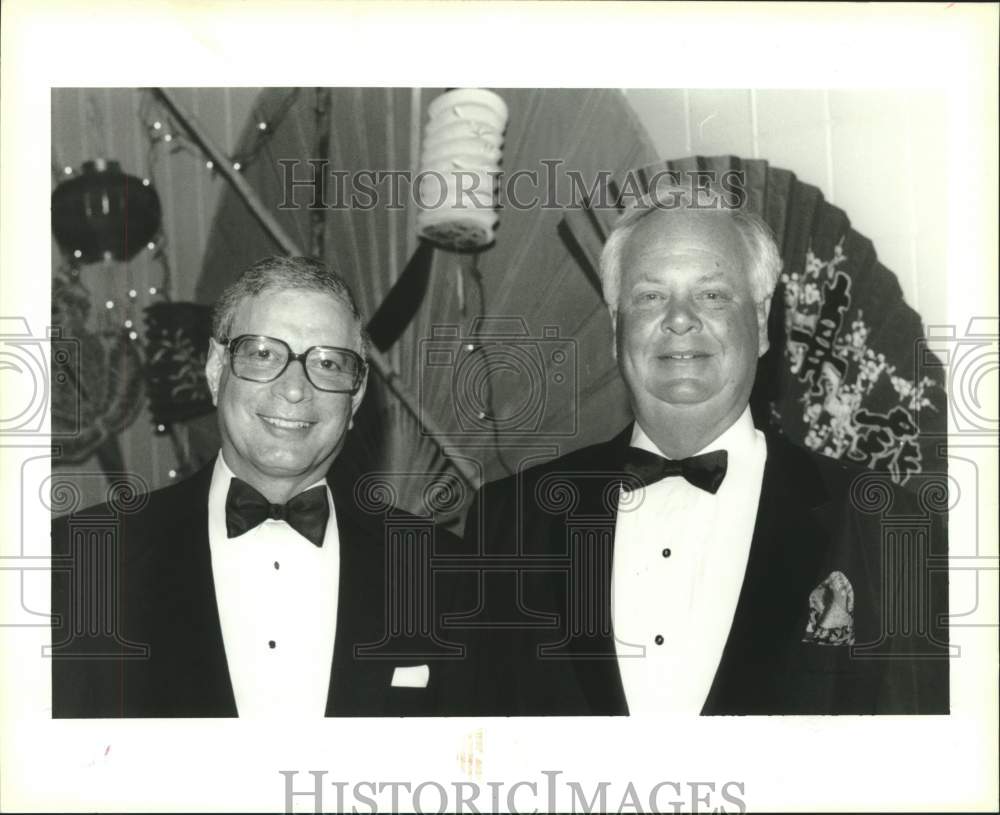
column 694, row 564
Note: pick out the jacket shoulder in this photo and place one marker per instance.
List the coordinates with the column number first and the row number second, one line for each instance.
column 592, row 459
column 825, row 480
column 371, row 517
column 144, row 515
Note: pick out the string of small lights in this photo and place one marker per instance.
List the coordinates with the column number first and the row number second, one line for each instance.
column 162, row 130
column 163, row 134
column 164, row 137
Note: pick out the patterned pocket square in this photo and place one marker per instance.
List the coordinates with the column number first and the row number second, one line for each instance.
column 413, row 676
column 831, row 612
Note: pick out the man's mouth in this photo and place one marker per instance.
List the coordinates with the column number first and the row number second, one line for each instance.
column 685, row 356
column 286, row 424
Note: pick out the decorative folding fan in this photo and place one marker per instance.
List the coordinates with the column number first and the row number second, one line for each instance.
column 843, row 376
column 96, row 381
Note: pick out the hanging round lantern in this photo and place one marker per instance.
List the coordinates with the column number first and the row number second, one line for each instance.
column 102, row 213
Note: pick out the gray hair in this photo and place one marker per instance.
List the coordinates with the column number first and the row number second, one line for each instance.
column 283, row 274
column 762, row 255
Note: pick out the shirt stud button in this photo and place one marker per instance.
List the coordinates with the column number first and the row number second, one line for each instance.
column 658, row 639
column 272, row 643
column 277, row 565
column 666, row 553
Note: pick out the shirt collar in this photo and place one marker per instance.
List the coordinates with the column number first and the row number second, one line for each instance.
column 738, row 437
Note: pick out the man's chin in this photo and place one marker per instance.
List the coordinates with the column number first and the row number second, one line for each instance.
column 293, row 461
column 683, row 392
column 281, row 463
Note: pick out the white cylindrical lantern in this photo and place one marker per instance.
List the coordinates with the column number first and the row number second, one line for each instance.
column 460, row 168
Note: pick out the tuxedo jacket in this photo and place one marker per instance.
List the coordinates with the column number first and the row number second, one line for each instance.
column 538, row 603
column 136, row 629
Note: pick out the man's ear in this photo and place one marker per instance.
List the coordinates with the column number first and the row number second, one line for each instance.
column 214, row 365
column 763, row 310
column 356, row 399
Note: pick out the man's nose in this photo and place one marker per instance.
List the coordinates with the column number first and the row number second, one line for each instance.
column 292, row 385
column 680, row 316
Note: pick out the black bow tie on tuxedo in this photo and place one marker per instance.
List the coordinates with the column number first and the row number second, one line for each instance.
column 705, row 471
column 307, row 513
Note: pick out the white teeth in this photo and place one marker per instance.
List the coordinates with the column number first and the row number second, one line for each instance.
column 284, row 423
column 681, row 356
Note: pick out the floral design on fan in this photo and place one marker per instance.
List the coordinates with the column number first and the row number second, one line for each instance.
column 846, row 377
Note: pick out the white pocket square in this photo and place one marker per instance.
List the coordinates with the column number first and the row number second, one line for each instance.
column 412, row 676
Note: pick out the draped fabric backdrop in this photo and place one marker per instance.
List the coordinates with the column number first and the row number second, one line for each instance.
column 529, row 274
column 518, row 333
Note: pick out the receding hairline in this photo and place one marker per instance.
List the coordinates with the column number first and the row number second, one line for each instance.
column 759, row 255
column 671, row 220
column 271, row 288
column 276, row 274
column 275, row 289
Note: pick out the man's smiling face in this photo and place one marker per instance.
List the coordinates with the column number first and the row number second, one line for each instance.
column 688, row 332
column 282, row 436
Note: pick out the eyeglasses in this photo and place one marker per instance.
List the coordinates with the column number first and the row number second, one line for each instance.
column 263, row 359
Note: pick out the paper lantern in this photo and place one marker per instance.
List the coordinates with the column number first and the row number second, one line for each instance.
column 460, row 164
column 104, row 214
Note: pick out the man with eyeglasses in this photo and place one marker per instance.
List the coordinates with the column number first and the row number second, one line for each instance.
column 258, row 587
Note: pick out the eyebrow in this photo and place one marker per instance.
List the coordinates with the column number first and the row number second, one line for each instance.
column 708, row 277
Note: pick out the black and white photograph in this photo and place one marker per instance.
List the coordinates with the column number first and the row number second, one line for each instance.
column 501, row 438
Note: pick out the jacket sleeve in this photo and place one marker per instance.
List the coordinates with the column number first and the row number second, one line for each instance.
column 84, row 679
column 916, row 679
column 475, row 682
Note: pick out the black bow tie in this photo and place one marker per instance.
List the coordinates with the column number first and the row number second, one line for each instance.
column 705, row 471
column 307, row 513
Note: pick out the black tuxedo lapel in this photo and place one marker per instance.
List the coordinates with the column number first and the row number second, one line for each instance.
column 807, row 530
column 593, row 654
column 383, row 578
column 164, row 599
column 361, row 578
column 192, row 670
column 785, row 562
column 188, row 663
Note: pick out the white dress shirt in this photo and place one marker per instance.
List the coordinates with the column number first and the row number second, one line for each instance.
column 277, row 598
column 679, row 558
